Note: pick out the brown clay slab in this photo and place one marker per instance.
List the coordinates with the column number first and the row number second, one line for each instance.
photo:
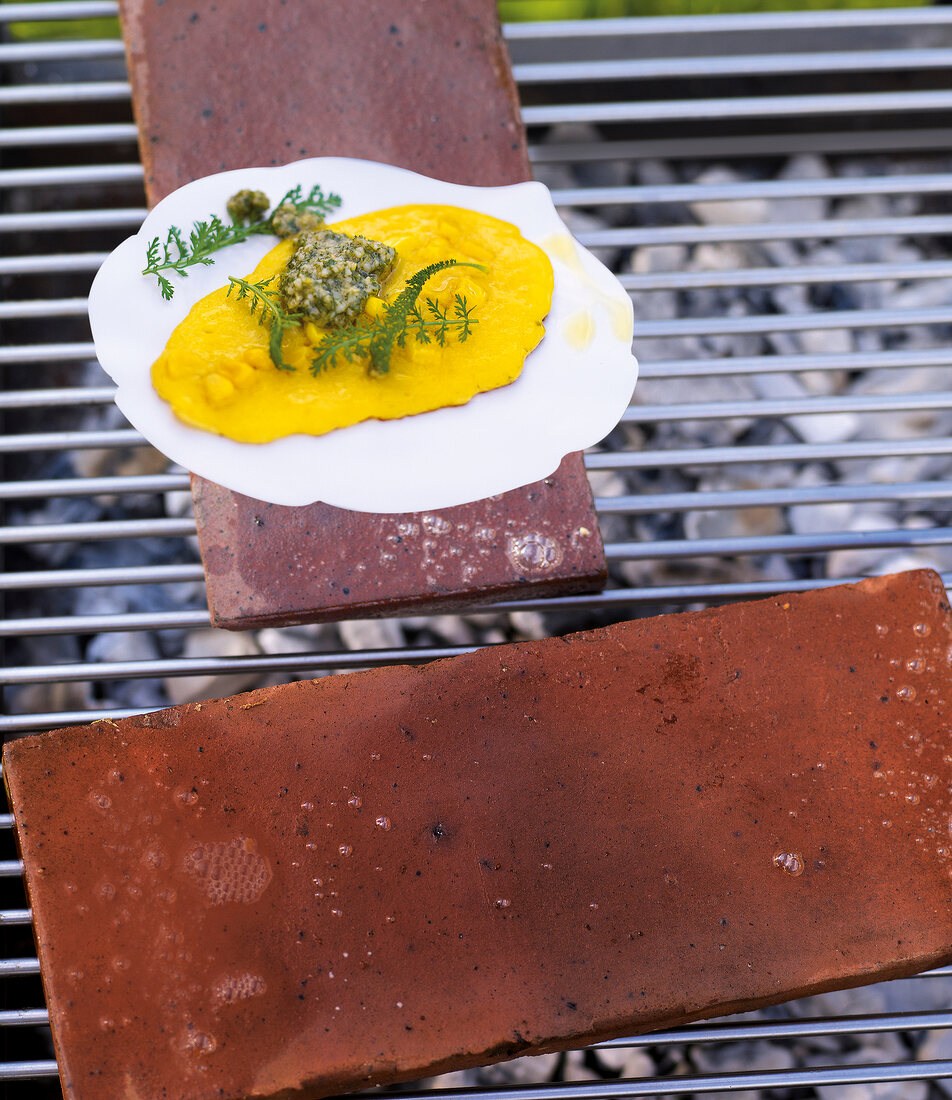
column 372, row 877
column 422, row 85
column 419, row 84
column 265, row 560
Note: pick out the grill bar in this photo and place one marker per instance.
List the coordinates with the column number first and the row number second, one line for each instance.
column 20, row 52
column 644, row 414
column 94, row 486
column 777, row 106
column 56, row 263
column 787, row 231
column 665, row 68
column 15, row 916
column 15, row 1071
column 24, row 1017
column 847, row 1075
column 692, row 25
column 55, row 11
column 58, row 136
column 619, row 597
column 925, row 184
column 18, row 967
column 58, row 222
column 773, row 276
column 679, row 1086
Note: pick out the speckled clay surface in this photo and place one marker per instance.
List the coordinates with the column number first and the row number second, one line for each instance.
column 414, row 83
column 371, row 877
column 265, row 562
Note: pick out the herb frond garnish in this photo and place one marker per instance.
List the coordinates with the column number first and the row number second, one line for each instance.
column 460, row 323
column 295, row 211
column 375, row 338
column 271, row 313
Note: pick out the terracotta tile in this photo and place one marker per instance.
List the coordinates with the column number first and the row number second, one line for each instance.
column 264, row 562
column 419, row 84
column 373, row 877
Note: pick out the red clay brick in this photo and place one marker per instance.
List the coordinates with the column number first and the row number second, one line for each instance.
column 373, row 877
column 416, row 83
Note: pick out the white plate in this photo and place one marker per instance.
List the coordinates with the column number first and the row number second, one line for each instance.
column 568, row 397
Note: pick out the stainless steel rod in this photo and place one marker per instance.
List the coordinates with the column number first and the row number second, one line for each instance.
column 63, row 9
column 701, row 1083
column 610, row 598
column 766, row 106
column 60, row 221
column 793, row 322
column 106, row 577
column 56, row 263
column 67, row 441
column 33, row 723
column 24, row 1017
column 731, row 145
column 763, row 364
column 825, row 187
column 42, row 353
column 926, row 225
column 79, row 624
column 801, row 1028
column 15, row 916
column 57, row 398
column 18, row 53
column 787, row 276
column 778, row 452
column 71, row 175
column 16, row 1071
column 650, row 503
column 204, row 666
column 162, row 527
column 55, row 137
column 94, row 486
column 10, row 967
column 717, row 410
column 86, row 91
column 735, row 65
column 43, row 307
column 641, row 27
column 777, row 544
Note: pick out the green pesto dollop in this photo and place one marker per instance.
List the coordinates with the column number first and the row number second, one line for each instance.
column 247, row 207
column 330, row 276
column 289, row 221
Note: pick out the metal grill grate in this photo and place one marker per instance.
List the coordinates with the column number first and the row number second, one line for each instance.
column 791, row 428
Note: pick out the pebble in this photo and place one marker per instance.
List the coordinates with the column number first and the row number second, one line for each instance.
column 628, row 1062
column 936, row 1046
column 876, row 1090
column 811, row 427
column 213, row 643
column 805, row 166
column 658, row 259
column 731, row 211
column 519, row 1071
column 360, row 634
column 123, row 646
column 741, row 1057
